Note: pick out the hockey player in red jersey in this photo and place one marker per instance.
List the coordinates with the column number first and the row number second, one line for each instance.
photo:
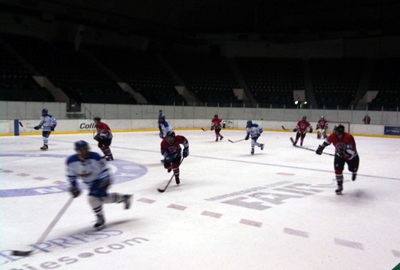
column 301, row 128
column 171, row 150
column 322, row 126
column 104, row 137
column 216, row 125
column 345, row 152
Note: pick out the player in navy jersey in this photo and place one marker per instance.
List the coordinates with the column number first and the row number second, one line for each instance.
column 345, row 152
column 172, row 152
column 92, row 169
column 48, row 123
column 254, row 131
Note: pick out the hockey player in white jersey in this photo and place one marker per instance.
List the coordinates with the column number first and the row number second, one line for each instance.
column 254, row 131
column 164, row 126
column 48, row 123
column 92, row 169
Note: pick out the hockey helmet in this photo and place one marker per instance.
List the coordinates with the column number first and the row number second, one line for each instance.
column 339, row 129
column 79, row 145
column 45, row 111
column 171, row 134
column 322, row 117
column 97, row 119
column 161, row 117
column 304, row 118
column 215, row 115
column 249, row 123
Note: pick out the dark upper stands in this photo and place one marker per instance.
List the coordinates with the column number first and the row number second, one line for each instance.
column 16, row 82
column 385, row 79
column 143, row 71
column 208, row 77
column 79, row 77
column 335, row 81
column 272, row 80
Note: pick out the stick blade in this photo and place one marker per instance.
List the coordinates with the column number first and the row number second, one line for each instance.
column 230, row 141
column 160, row 190
column 203, row 129
column 21, row 253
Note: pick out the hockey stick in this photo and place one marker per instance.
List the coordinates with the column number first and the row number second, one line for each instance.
column 309, row 149
column 283, row 128
column 46, row 232
column 20, row 123
column 236, row 141
column 203, row 129
column 173, row 174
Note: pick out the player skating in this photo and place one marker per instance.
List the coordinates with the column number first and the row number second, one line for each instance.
column 48, row 123
column 216, row 126
column 164, row 126
column 345, row 152
column 104, row 137
column 171, row 150
column 254, row 131
column 301, row 130
column 322, row 127
column 91, row 168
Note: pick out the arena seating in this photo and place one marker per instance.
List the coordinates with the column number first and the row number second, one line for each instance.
column 386, row 80
column 272, row 80
column 142, row 70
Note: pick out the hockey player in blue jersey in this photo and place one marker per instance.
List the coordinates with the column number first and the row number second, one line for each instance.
column 92, row 169
column 254, row 131
column 164, row 126
column 48, row 123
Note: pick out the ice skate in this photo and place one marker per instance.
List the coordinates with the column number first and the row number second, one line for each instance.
column 127, row 199
column 109, row 158
column 353, row 177
column 100, row 224
column 177, row 180
column 339, row 190
column 252, row 151
column 45, row 147
column 216, row 139
column 262, row 146
column 220, row 138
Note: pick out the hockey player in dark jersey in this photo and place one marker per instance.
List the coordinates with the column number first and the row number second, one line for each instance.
column 104, row 137
column 345, row 152
column 172, row 152
column 301, row 130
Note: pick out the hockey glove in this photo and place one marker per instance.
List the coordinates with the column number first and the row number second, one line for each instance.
column 247, row 137
column 319, row 150
column 37, row 127
column 161, row 135
column 295, row 129
column 311, row 130
column 75, row 191
column 97, row 137
column 52, row 128
column 185, row 152
column 212, row 127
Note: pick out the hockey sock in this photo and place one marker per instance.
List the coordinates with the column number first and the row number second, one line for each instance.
column 107, row 151
column 46, row 140
column 97, row 205
column 339, row 179
column 113, row 198
column 176, row 172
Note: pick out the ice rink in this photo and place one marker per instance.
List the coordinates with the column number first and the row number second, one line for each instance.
column 276, row 209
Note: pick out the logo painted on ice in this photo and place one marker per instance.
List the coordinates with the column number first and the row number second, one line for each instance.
column 126, row 171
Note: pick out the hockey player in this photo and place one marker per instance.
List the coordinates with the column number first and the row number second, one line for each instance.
column 164, row 126
column 301, row 128
column 48, row 123
column 216, row 125
column 254, row 131
column 91, row 168
column 345, row 152
column 322, row 127
column 104, row 138
column 171, row 150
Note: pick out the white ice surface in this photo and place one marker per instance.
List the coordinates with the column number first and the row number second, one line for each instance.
column 304, row 226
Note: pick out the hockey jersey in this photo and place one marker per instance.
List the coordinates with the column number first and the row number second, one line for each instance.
column 104, row 130
column 216, row 123
column 303, row 126
column 165, row 128
column 345, row 147
column 175, row 148
column 93, row 169
column 254, row 131
column 47, row 122
column 322, row 124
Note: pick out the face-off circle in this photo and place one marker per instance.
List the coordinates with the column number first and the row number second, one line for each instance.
column 125, row 171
